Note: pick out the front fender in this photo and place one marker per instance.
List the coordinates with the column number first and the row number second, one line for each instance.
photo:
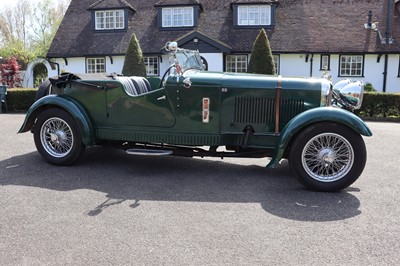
column 312, row 116
column 68, row 104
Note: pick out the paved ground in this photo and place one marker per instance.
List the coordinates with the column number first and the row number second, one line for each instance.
column 115, row 209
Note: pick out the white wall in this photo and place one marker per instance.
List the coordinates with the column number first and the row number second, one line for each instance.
column 289, row 65
column 296, row 65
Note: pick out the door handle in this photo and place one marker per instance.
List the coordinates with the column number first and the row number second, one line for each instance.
column 161, row 98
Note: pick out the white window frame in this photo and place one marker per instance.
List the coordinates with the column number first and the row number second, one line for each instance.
column 96, row 65
column 325, row 62
column 351, row 65
column 109, row 20
column 177, row 17
column 237, row 63
column 152, row 65
column 254, row 15
column 276, row 58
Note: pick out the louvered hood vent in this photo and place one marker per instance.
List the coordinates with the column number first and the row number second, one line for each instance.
column 258, row 110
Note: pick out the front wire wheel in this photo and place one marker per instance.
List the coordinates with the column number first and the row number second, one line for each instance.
column 57, row 137
column 327, row 157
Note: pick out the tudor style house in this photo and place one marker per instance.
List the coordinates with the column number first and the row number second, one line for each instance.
column 349, row 39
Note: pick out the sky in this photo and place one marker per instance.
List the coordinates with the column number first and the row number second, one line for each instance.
column 10, row 3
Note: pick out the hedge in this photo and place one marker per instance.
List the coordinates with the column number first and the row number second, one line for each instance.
column 375, row 105
column 19, row 100
column 380, row 105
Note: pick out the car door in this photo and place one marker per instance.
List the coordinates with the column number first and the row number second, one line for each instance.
column 152, row 109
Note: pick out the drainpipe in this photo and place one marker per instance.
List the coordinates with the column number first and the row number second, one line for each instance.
column 311, row 64
column 385, row 73
column 387, row 40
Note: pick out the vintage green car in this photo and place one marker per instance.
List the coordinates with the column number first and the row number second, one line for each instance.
column 192, row 112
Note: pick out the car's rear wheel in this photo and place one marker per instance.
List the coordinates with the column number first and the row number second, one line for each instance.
column 327, row 157
column 57, row 137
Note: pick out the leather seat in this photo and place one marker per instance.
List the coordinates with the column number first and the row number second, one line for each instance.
column 135, row 85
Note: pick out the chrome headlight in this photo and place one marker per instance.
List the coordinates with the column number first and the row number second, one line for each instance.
column 326, row 86
column 348, row 94
column 353, row 94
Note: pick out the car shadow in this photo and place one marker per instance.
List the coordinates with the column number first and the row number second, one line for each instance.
column 151, row 178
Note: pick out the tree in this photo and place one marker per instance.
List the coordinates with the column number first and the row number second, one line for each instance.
column 261, row 60
column 134, row 63
column 9, row 73
column 28, row 28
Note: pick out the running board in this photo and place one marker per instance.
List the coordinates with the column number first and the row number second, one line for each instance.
column 148, row 152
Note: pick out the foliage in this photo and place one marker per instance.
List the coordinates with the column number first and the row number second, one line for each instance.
column 28, row 28
column 40, row 74
column 20, row 99
column 9, row 73
column 369, row 88
column 380, row 105
column 134, row 62
column 261, row 60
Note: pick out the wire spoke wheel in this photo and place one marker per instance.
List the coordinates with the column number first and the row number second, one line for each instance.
column 327, row 157
column 56, row 137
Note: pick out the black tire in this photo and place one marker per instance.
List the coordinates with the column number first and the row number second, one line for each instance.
column 57, row 137
column 327, row 156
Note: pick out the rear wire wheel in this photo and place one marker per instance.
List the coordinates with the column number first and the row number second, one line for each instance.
column 327, row 157
column 57, row 137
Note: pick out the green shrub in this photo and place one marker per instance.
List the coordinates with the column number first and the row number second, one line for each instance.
column 380, row 105
column 369, row 88
column 20, row 99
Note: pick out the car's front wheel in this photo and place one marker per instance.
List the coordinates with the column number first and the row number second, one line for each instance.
column 327, row 157
column 57, row 137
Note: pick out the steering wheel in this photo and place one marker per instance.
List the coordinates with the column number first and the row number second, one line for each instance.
column 165, row 75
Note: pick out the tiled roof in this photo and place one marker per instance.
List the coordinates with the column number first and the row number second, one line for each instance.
column 316, row 26
column 111, row 4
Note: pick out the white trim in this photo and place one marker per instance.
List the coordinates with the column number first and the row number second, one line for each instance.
column 177, row 17
column 109, row 20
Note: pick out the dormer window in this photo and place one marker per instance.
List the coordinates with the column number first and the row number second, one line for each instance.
column 254, row 15
column 172, row 16
column 177, row 17
column 110, row 20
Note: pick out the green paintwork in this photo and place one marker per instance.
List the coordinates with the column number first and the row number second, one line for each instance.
column 68, row 104
column 313, row 116
column 174, row 114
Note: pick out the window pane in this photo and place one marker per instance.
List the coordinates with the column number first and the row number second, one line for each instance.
column 324, row 62
column 254, row 15
column 351, row 65
column 119, row 19
column 151, row 64
column 178, row 17
column 99, row 20
column 167, row 17
column 188, row 16
column 96, row 65
column 236, row 63
column 276, row 63
column 110, row 19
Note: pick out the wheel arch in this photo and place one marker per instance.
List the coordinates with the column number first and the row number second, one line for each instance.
column 69, row 105
column 313, row 116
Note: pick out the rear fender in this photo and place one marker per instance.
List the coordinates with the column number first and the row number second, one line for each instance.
column 69, row 105
column 312, row 116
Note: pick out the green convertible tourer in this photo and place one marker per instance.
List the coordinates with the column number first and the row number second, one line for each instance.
column 193, row 112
